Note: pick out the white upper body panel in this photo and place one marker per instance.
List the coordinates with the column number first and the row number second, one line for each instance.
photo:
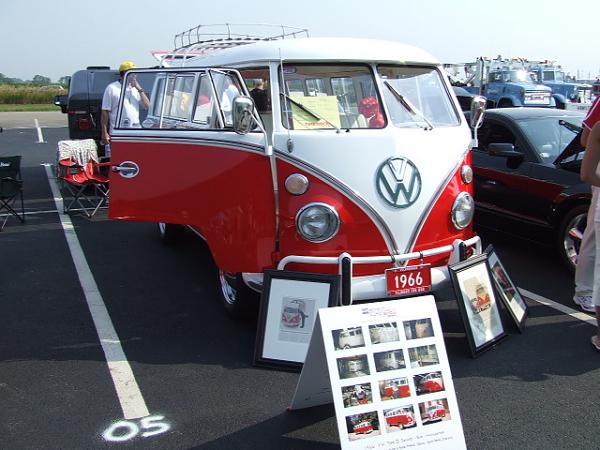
column 314, row 49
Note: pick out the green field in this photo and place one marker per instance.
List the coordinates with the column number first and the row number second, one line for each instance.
column 29, row 97
column 33, row 107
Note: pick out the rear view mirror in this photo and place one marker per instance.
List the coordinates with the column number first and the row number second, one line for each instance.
column 243, row 122
column 477, row 109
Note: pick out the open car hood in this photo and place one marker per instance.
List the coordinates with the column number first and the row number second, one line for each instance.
column 573, row 148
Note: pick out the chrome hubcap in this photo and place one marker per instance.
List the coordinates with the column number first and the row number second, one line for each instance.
column 227, row 287
column 572, row 237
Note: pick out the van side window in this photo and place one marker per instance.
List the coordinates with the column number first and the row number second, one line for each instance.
column 258, row 83
column 227, row 88
column 179, row 97
column 171, row 96
column 205, row 112
column 186, row 99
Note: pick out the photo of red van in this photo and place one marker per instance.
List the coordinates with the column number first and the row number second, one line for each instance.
column 403, row 417
column 362, row 425
column 434, row 411
column 429, row 382
column 394, row 388
column 293, row 314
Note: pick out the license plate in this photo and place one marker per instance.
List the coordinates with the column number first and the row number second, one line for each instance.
column 409, row 279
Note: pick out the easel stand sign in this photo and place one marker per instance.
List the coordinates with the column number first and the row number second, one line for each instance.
column 385, row 367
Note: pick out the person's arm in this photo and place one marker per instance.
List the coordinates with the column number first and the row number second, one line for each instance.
column 105, row 116
column 585, row 133
column 591, row 157
column 104, row 120
column 143, row 96
column 591, row 118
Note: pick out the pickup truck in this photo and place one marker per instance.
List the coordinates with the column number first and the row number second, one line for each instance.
column 504, row 82
column 568, row 94
column 84, row 100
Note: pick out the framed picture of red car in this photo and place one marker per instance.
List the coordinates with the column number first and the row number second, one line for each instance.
column 507, row 291
column 288, row 310
column 477, row 303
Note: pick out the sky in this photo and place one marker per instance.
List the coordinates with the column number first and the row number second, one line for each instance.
column 54, row 38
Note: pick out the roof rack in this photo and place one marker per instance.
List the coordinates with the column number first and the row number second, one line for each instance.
column 204, row 39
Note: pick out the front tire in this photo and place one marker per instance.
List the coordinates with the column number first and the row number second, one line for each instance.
column 237, row 298
column 569, row 233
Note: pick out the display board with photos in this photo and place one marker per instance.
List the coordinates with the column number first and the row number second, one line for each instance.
column 389, row 374
column 477, row 303
column 506, row 289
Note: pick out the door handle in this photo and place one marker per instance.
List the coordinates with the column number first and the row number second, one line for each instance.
column 127, row 169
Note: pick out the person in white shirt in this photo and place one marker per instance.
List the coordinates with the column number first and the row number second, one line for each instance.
column 230, row 91
column 133, row 96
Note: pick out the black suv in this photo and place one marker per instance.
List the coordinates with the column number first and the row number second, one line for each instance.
column 84, row 101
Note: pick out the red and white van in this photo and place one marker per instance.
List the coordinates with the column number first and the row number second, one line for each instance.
column 363, row 427
column 400, row 417
column 360, row 161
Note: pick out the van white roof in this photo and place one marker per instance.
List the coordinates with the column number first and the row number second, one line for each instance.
column 315, row 49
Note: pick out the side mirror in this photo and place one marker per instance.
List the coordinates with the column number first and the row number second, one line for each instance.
column 243, row 121
column 477, row 109
column 504, row 149
column 61, row 100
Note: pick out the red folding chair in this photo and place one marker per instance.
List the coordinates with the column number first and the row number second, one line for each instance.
column 81, row 176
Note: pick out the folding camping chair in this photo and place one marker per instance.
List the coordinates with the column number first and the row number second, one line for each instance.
column 80, row 174
column 11, row 188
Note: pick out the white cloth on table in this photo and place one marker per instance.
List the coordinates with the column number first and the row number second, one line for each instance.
column 81, row 151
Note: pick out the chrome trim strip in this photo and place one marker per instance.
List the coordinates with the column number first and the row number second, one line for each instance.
column 232, row 145
column 440, row 190
column 348, row 192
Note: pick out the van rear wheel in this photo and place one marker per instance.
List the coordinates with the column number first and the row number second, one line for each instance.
column 237, row 298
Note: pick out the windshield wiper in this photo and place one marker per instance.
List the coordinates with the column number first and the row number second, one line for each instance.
column 412, row 109
column 308, row 110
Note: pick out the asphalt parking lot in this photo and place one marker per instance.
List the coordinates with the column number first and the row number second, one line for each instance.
column 190, row 365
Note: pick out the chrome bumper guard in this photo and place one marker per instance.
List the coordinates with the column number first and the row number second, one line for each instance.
column 375, row 286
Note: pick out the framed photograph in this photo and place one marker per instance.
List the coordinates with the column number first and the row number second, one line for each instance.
column 477, row 303
column 507, row 291
column 288, row 310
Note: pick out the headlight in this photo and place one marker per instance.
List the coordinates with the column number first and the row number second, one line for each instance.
column 317, row 222
column 462, row 210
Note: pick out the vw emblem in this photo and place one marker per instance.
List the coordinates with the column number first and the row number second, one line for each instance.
column 398, row 182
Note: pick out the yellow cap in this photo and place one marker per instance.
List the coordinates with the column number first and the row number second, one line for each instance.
column 126, row 65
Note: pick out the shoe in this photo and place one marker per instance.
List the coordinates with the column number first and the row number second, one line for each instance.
column 595, row 342
column 585, row 302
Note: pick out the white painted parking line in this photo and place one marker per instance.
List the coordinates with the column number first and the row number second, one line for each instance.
column 39, row 133
column 128, row 391
column 558, row 306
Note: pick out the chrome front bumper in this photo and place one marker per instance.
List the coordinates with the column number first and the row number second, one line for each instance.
column 375, row 286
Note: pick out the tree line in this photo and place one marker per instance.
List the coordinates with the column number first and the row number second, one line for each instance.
column 37, row 80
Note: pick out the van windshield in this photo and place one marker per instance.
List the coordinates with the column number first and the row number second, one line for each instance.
column 322, row 96
column 417, row 97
